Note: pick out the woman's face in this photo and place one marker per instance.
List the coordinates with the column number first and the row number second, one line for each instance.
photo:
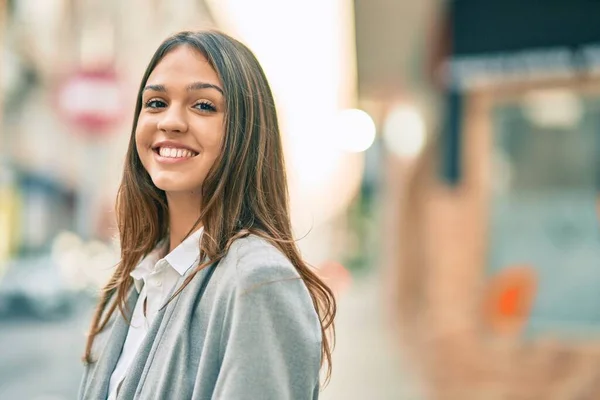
column 180, row 126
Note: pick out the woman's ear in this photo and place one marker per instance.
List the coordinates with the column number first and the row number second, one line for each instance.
column 508, row 300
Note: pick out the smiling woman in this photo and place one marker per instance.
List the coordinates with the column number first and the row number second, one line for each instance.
column 213, row 297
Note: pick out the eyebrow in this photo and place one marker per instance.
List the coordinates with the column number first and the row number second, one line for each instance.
column 190, row 87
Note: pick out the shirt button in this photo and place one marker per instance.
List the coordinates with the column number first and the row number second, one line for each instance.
column 158, row 282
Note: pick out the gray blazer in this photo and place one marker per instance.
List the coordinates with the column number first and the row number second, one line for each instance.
column 243, row 329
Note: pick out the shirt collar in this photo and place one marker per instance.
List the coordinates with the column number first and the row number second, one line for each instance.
column 145, row 267
column 185, row 255
column 181, row 259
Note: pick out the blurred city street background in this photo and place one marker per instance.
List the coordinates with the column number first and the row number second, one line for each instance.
column 444, row 165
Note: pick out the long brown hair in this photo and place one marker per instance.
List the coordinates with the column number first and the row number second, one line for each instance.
column 245, row 192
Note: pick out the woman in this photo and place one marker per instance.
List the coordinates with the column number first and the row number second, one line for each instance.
column 211, row 299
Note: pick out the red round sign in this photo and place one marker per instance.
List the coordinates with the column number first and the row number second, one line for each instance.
column 92, row 100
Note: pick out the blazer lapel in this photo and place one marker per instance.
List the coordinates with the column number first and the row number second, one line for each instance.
column 97, row 387
column 142, row 362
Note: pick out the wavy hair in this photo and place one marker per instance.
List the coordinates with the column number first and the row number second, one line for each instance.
column 245, row 191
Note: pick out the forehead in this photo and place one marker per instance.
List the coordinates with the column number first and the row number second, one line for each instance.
column 183, row 64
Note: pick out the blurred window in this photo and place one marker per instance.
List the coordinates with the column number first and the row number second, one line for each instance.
column 544, row 205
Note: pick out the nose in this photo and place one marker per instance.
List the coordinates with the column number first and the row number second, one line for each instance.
column 173, row 120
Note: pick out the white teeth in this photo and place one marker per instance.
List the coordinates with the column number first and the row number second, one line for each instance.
column 175, row 153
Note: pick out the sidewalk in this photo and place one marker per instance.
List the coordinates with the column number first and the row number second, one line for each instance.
column 366, row 364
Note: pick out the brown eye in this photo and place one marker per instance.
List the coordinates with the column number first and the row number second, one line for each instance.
column 205, row 106
column 154, row 103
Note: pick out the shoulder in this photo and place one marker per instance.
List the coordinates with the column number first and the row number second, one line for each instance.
column 266, row 285
column 255, row 261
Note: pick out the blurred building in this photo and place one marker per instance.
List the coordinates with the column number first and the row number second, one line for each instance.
column 499, row 232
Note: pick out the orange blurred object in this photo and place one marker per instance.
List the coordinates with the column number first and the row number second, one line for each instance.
column 336, row 276
column 509, row 299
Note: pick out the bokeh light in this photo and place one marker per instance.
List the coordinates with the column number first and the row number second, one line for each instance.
column 353, row 130
column 404, row 131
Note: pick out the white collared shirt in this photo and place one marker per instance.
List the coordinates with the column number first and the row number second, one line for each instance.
column 154, row 279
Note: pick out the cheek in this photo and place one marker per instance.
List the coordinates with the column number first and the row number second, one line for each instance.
column 142, row 130
column 210, row 136
column 216, row 150
column 143, row 136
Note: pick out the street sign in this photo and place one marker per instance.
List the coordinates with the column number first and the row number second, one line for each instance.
column 92, row 101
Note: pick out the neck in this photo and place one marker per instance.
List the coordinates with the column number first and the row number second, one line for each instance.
column 184, row 211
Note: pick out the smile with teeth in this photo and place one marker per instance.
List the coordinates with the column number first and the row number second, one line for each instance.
column 171, row 152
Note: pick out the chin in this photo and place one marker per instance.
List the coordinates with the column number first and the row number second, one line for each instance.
column 174, row 185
